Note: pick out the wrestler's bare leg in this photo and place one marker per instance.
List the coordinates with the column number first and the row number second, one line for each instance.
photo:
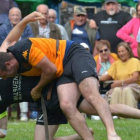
column 89, row 90
column 120, row 110
column 40, row 132
column 68, row 96
column 72, row 137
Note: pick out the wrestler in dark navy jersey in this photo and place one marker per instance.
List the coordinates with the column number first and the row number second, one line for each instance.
column 12, row 91
column 15, row 90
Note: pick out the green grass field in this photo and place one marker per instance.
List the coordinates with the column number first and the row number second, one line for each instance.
column 128, row 129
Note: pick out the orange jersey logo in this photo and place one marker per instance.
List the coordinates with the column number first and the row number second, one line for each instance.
column 25, row 53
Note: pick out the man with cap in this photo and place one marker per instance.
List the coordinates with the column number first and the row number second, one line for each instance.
column 78, row 29
column 110, row 21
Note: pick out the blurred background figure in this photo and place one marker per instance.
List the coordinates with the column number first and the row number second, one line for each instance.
column 52, row 17
column 13, row 20
column 78, row 29
column 44, row 27
column 103, row 62
column 129, row 32
column 125, row 73
column 109, row 21
column 5, row 6
column 133, row 12
column 105, row 58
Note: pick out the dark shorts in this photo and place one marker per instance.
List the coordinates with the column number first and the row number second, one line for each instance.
column 54, row 113
column 78, row 65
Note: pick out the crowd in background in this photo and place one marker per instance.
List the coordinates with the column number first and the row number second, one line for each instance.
column 111, row 37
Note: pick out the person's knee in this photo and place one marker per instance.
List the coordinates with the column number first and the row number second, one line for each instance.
column 116, row 93
column 117, row 90
column 91, row 98
column 127, row 90
column 67, row 107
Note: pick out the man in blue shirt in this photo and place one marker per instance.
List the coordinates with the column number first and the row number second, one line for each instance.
column 78, row 30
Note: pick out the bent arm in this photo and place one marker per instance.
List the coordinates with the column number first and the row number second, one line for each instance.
column 17, row 31
column 105, row 77
column 133, row 79
column 125, row 32
column 48, row 73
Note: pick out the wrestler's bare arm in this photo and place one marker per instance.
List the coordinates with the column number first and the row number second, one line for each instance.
column 17, row 31
column 48, row 73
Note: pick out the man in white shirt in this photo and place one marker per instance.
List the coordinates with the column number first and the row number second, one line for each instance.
column 44, row 27
column 52, row 17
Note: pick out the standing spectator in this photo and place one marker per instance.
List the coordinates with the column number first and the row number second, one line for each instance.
column 52, row 17
column 43, row 26
column 110, row 21
column 14, row 19
column 5, row 6
column 128, row 32
column 78, row 30
column 125, row 73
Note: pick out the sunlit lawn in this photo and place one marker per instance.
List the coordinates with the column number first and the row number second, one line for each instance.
column 128, row 129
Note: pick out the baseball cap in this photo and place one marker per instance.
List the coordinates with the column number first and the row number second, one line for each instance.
column 107, row 1
column 79, row 10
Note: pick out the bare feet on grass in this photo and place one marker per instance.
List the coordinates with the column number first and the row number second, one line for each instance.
column 91, row 130
column 73, row 137
column 114, row 137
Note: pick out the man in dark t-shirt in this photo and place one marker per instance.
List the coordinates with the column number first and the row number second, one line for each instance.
column 110, row 21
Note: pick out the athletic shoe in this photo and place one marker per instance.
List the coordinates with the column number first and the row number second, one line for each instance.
column 95, row 117
column 23, row 117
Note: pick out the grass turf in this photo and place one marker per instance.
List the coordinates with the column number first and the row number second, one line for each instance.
column 128, row 129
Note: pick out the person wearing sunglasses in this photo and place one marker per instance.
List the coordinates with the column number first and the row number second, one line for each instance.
column 125, row 73
column 104, row 59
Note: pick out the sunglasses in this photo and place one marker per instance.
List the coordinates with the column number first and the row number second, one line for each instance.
column 105, row 50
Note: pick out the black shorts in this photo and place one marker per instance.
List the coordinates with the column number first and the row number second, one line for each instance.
column 54, row 113
column 78, row 65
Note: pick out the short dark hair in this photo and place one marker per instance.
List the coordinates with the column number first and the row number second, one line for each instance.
column 4, row 57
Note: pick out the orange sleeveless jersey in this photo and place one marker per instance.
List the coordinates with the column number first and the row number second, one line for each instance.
column 46, row 47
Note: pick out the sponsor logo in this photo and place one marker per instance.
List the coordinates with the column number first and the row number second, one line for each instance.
column 17, row 96
column 109, row 21
column 25, row 53
column 84, row 71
